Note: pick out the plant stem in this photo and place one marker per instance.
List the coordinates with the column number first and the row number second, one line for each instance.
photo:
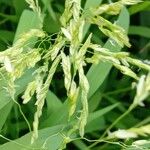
column 113, row 124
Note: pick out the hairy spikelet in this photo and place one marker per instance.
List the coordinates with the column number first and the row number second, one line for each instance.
column 80, row 55
column 27, row 60
column 72, row 97
column 143, row 90
column 131, row 133
column 112, row 8
column 67, row 13
column 76, row 9
column 111, row 30
column 66, row 65
column 127, row 71
column 130, row 2
column 138, row 63
column 41, row 95
column 84, row 85
column 30, row 90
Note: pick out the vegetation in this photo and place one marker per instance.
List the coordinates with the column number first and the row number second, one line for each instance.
column 70, row 78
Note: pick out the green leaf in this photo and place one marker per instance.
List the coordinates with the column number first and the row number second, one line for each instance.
column 19, row 6
column 91, row 3
column 59, row 116
column 140, row 30
column 139, row 7
column 96, row 119
column 49, row 137
column 5, row 111
column 80, row 145
column 101, row 112
column 53, row 102
column 28, row 20
column 6, row 35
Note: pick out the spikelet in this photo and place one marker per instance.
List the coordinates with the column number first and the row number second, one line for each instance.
column 66, row 65
column 79, row 57
column 130, row 2
column 131, row 133
column 41, row 95
column 127, row 71
column 111, row 30
column 84, row 85
column 65, row 17
column 142, row 91
column 72, row 97
column 30, row 90
column 112, row 8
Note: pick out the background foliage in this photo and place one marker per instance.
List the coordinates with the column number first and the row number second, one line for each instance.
column 110, row 92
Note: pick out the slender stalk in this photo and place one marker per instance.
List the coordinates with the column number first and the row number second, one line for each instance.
column 113, row 124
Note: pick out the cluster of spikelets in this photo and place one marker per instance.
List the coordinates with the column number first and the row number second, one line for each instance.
column 20, row 57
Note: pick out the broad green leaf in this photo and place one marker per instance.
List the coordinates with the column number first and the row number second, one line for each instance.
column 99, row 113
column 140, row 30
column 139, row 7
column 96, row 120
column 6, row 36
column 80, row 145
column 5, row 111
column 59, row 116
column 91, row 3
column 98, row 73
column 28, row 20
column 48, row 137
column 19, row 6
column 52, row 102
column 95, row 99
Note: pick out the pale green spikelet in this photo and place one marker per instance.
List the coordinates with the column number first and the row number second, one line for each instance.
column 111, row 9
column 30, row 90
column 111, row 30
column 138, row 63
column 67, row 13
column 130, row 133
column 66, row 65
column 143, row 90
column 41, row 93
column 130, row 2
column 127, row 71
column 72, row 97
column 76, row 9
column 84, row 85
column 79, row 57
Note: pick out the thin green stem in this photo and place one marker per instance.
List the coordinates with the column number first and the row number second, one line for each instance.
column 25, row 118
column 113, row 124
